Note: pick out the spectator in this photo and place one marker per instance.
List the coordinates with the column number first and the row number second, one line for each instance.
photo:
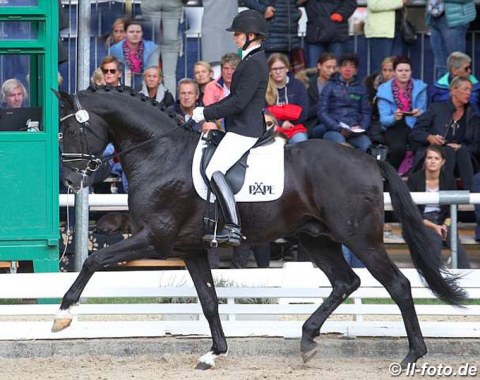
column 326, row 66
column 117, row 34
column 282, row 17
column 401, row 101
column 112, row 70
column 97, row 78
column 287, row 99
column 165, row 15
column 14, row 94
column 454, row 125
column 448, row 21
column 372, row 82
column 459, row 65
column 218, row 89
column 344, row 102
column 216, row 41
column 382, row 29
column 134, row 52
column 327, row 27
column 203, row 75
column 187, row 99
column 433, row 179
column 153, row 87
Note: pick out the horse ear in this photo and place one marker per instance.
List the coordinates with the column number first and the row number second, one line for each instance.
column 63, row 97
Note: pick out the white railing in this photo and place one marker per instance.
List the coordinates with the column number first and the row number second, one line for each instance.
column 120, row 201
column 288, row 296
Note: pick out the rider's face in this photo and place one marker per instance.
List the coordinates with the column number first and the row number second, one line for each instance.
column 239, row 39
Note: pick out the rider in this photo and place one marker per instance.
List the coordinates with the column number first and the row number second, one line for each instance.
column 243, row 117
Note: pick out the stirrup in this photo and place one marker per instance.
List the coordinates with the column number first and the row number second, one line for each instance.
column 229, row 235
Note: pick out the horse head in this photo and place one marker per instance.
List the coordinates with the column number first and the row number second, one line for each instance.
column 83, row 137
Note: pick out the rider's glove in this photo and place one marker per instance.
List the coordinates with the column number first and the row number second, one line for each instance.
column 198, row 114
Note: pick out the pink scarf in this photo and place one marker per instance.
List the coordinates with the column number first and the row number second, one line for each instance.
column 134, row 57
column 403, row 98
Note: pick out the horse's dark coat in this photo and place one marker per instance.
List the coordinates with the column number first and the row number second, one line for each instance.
column 333, row 195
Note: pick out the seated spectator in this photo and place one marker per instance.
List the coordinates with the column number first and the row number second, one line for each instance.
column 203, row 75
column 458, row 65
column 117, row 34
column 476, row 189
column 401, row 101
column 453, row 125
column 13, row 94
column 326, row 66
column 218, row 89
column 372, row 82
column 153, row 87
column 344, row 103
column 112, row 70
column 287, row 99
column 433, row 179
column 188, row 93
column 97, row 78
column 134, row 52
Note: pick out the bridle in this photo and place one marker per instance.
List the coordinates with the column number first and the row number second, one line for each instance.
column 94, row 162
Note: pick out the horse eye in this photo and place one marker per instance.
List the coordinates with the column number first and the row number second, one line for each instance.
column 60, row 135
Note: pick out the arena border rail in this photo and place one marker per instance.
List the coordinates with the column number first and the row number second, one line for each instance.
column 284, row 297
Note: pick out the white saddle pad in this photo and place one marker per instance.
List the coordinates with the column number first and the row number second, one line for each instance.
column 264, row 178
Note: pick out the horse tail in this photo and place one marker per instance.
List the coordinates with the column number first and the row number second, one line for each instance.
column 428, row 264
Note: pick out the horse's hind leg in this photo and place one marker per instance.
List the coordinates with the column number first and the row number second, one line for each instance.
column 398, row 286
column 199, row 269
column 125, row 250
column 327, row 255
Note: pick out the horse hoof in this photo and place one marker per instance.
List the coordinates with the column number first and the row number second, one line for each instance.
column 204, row 366
column 60, row 324
column 308, row 355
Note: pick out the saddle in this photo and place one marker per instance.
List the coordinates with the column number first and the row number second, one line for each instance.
column 236, row 174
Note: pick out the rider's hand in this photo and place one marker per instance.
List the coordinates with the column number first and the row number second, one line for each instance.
column 197, row 114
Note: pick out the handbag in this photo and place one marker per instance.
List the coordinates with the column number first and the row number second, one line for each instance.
column 407, row 29
column 285, row 111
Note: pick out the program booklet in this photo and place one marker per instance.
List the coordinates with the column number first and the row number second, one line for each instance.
column 351, row 129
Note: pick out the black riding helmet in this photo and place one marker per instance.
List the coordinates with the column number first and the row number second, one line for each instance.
column 249, row 21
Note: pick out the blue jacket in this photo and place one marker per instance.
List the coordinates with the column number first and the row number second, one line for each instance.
column 457, row 12
column 282, row 27
column 387, row 106
column 117, row 51
column 439, row 92
column 297, row 94
column 344, row 102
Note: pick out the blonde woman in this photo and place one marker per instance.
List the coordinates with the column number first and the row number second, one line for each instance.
column 287, row 99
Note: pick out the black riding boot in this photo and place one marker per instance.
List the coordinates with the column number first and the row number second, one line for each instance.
column 231, row 233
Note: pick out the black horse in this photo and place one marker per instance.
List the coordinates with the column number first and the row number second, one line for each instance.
column 333, row 195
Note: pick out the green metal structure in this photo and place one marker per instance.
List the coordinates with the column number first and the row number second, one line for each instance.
column 29, row 184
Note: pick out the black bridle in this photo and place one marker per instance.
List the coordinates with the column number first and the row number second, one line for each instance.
column 94, row 162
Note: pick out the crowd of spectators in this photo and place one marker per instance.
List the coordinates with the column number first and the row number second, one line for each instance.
column 328, row 100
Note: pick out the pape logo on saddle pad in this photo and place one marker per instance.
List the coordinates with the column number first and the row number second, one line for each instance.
column 264, row 177
column 260, row 188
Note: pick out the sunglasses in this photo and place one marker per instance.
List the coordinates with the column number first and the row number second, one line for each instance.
column 111, row 71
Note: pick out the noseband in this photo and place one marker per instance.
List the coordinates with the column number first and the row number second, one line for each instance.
column 93, row 162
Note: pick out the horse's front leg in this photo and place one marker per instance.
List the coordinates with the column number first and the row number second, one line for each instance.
column 125, row 250
column 199, row 268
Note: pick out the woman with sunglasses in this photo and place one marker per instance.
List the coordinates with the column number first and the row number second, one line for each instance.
column 111, row 69
column 459, row 65
column 453, row 125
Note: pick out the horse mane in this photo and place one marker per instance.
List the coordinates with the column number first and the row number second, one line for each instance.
column 130, row 93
